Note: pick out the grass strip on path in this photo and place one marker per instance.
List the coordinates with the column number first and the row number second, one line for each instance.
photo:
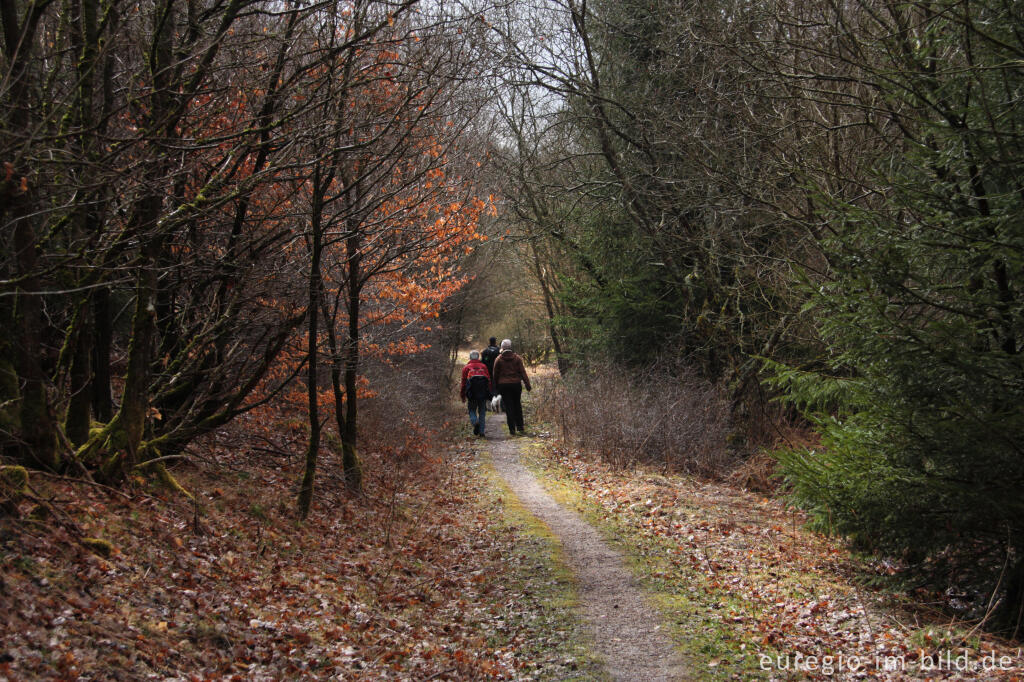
column 544, row 617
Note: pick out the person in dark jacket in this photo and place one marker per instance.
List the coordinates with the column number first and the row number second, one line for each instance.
column 488, row 356
column 508, row 379
column 476, row 391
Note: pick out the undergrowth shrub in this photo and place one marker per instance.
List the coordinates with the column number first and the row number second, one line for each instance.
column 409, row 397
column 664, row 415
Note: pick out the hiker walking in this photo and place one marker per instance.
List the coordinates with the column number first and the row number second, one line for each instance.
column 508, row 379
column 476, row 391
column 488, row 356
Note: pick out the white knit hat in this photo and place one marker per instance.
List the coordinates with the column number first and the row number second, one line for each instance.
column 506, row 344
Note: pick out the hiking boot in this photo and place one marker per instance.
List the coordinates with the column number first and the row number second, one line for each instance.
column 476, row 429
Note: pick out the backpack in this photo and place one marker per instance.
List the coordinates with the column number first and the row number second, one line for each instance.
column 487, row 357
column 478, row 388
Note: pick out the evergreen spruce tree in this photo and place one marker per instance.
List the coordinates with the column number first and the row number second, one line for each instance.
column 921, row 405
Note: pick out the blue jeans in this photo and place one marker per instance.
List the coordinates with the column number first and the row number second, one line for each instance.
column 478, row 413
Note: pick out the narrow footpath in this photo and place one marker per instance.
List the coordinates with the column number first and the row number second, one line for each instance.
column 626, row 630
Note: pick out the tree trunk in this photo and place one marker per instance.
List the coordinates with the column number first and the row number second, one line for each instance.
column 351, row 467
column 349, row 453
column 103, row 339
column 79, row 413
column 549, row 306
column 1011, row 614
column 119, row 444
column 38, row 428
column 313, row 308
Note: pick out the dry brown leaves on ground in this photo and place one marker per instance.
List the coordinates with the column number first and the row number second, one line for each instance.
column 406, row 582
column 755, row 593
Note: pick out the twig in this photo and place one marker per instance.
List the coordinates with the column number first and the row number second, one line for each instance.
column 992, row 602
column 165, row 458
column 197, row 528
column 273, row 451
column 704, row 551
column 864, row 608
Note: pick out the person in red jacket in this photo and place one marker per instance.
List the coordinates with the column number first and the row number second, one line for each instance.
column 476, row 391
column 508, row 380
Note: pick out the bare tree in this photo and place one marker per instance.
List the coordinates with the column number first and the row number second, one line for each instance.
column 387, row 212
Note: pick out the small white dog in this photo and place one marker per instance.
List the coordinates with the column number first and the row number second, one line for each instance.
column 496, row 405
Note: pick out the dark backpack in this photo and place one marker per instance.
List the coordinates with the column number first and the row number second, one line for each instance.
column 488, row 356
column 478, row 388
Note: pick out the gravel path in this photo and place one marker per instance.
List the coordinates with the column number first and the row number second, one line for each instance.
column 626, row 630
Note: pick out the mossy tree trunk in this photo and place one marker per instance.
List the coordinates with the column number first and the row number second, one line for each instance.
column 120, row 445
column 103, row 342
column 124, row 433
column 82, row 119
column 116, row 448
column 36, row 418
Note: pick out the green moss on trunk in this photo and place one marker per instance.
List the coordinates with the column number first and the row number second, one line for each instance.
column 98, row 545
column 103, row 450
column 352, row 468
column 13, row 486
column 166, row 478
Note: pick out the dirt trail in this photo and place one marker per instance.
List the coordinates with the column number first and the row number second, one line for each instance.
column 626, row 630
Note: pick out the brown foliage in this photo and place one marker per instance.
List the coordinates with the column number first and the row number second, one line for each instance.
column 673, row 419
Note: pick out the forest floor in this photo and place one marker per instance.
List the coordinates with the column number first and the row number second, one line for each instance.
column 429, row 575
column 440, row 572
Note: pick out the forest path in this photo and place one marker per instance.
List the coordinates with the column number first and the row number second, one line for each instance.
column 626, row 630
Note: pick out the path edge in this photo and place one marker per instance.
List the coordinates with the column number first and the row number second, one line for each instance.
column 513, row 513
